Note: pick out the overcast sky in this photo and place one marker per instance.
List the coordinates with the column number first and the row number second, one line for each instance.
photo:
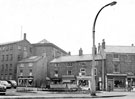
column 68, row 23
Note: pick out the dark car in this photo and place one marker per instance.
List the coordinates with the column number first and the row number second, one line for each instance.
column 2, row 89
column 13, row 83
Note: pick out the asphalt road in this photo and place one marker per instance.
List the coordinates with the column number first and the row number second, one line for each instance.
column 12, row 94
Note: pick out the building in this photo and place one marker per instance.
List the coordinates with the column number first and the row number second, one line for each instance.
column 10, row 54
column 119, row 66
column 75, row 69
column 32, row 71
column 51, row 50
column 38, row 73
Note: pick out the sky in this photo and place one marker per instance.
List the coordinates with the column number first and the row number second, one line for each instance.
column 68, row 23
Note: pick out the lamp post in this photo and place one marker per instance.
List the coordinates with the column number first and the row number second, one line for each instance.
column 93, row 86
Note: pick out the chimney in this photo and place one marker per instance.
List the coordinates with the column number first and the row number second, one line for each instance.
column 69, row 53
column 80, row 52
column 24, row 36
column 103, row 43
column 99, row 47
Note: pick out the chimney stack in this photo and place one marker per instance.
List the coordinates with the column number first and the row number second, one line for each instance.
column 69, row 53
column 80, row 52
column 103, row 43
column 24, row 36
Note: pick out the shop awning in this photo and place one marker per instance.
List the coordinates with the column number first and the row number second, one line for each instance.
column 83, row 77
column 68, row 77
column 116, row 74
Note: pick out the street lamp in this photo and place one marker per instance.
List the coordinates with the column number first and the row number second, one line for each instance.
column 93, row 87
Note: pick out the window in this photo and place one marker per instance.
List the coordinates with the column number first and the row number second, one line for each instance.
column 19, row 57
column 116, row 68
column 56, row 73
column 25, row 48
column 69, row 64
column 2, row 67
column 21, row 65
column 95, row 71
column 56, row 65
column 21, row 70
column 69, row 72
column 11, row 57
column 6, row 67
column 82, row 71
column 11, row 47
column 82, row 63
column 30, row 74
column 115, row 56
column 30, row 64
column 19, row 47
column 30, row 70
column 2, row 57
column 7, row 57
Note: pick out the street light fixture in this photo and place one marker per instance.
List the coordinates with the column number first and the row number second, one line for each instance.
column 93, row 87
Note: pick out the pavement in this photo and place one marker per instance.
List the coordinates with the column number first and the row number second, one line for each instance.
column 46, row 94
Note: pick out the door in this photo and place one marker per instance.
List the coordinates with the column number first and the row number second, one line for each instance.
column 110, row 85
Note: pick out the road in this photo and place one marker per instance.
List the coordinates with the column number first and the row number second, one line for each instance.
column 12, row 94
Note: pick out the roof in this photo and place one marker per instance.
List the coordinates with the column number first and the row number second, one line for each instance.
column 74, row 58
column 31, row 59
column 44, row 42
column 12, row 42
column 120, row 49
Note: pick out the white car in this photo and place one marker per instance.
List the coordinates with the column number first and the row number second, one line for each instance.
column 5, row 83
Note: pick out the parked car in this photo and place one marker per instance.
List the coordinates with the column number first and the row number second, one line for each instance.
column 5, row 83
column 2, row 89
column 13, row 83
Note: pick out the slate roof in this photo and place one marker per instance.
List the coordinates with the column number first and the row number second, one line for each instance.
column 31, row 59
column 120, row 49
column 74, row 58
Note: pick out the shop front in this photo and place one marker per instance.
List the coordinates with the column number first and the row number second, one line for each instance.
column 116, row 82
column 25, row 81
column 84, row 82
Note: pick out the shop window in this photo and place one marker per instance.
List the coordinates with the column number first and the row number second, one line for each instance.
column 83, row 83
column 119, row 83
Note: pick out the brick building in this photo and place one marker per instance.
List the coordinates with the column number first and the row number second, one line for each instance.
column 51, row 50
column 10, row 54
column 75, row 69
column 32, row 71
column 119, row 66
